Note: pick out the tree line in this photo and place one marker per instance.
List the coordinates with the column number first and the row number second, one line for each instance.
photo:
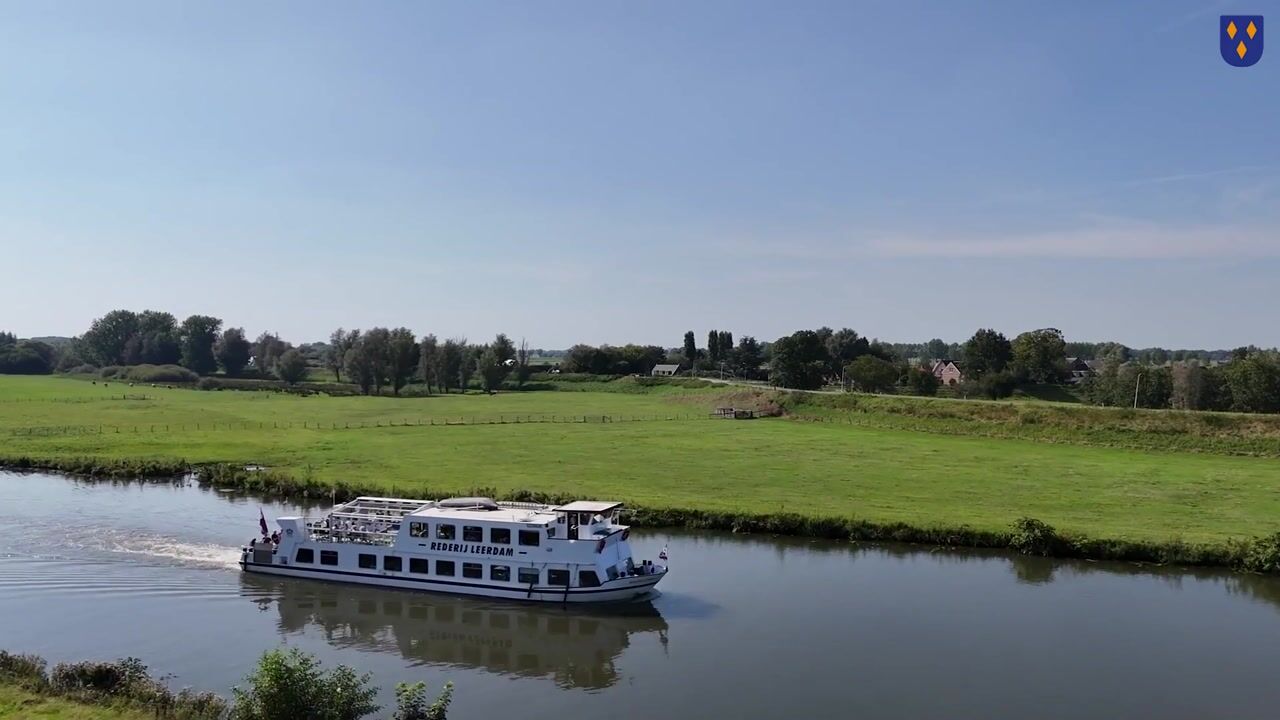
column 1247, row 379
column 378, row 358
column 1248, row 382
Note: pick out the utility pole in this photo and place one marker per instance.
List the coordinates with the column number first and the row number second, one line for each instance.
column 1136, row 384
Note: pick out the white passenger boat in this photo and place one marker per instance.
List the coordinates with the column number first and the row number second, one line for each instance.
column 463, row 546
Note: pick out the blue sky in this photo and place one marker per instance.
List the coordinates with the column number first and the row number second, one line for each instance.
column 622, row 171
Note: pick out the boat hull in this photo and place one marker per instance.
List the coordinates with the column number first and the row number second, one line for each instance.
column 622, row 589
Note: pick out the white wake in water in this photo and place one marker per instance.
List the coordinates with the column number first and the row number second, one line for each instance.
column 207, row 554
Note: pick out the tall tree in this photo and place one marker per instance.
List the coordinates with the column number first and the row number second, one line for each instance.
column 1254, row 382
column 522, row 363
column 1040, row 356
column 199, row 333
column 450, row 362
column 490, row 368
column 104, row 341
column 871, row 374
column 504, row 349
column 358, row 364
column 713, row 348
column 267, row 350
column 377, row 343
column 936, row 349
column 232, row 351
column 157, row 338
column 987, row 351
column 1189, row 386
column 724, row 339
column 799, row 361
column 340, row 341
column 843, row 347
column 428, row 359
column 691, row 350
column 402, row 357
column 466, row 365
column 291, row 367
column 747, row 358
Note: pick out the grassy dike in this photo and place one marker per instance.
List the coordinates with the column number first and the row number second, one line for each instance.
column 1154, row 487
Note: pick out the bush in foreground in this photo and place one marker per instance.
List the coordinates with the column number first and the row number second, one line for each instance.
column 288, row 685
column 283, row 686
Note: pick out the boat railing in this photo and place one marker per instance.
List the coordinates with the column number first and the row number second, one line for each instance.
column 320, row 531
column 515, row 505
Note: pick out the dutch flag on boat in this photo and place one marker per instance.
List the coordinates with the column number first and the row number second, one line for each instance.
column 663, row 555
column 262, row 523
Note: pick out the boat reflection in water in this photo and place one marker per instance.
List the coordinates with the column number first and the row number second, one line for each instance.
column 577, row 646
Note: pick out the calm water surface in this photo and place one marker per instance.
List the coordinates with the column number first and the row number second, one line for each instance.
column 745, row 627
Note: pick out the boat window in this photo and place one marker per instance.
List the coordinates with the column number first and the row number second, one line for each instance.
column 472, row 533
column 305, row 555
column 500, row 573
column 445, row 532
column 588, row 578
column 528, row 576
column 530, row 537
column 558, row 577
column 419, row 529
column 444, row 567
column 418, row 565
column 328, row 557
column 392, row 563
column 472, row 570
column 612, row 572
column 500, row 536
column 368, row 561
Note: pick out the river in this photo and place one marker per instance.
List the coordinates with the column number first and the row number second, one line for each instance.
column 745, row 627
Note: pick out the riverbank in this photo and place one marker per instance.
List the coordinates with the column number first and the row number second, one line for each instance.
column 1025, row 535
column 17, row 702
column 945, row 472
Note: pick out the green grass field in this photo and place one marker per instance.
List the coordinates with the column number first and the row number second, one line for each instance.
column 968, row 468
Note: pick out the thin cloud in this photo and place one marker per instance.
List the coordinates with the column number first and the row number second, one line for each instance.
column 1121, row 240
column 1181, row 177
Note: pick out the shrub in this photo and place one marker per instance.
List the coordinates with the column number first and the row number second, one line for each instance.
column 411, row 702
column 85, row 369
column 1262, row 555
column 110, row 371
column 159, row 373
column 1033, row 537
column 291, row 685
column 98, row 678
column 27, row 670
column 997, row 385
column 208, row 383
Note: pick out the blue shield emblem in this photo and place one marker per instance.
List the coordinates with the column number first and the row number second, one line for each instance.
column 1240, row 39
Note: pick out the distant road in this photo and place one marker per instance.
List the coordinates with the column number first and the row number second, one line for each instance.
column 766, row 386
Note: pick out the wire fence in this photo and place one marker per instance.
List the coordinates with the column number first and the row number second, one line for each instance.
column 75, row 400
column 106, row 429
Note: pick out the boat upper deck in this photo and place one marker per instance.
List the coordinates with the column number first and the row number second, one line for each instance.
column 378, row 520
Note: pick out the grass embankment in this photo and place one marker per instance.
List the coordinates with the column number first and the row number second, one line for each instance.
column 1167, row 430
column 19, row 703
column 1118, row 478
